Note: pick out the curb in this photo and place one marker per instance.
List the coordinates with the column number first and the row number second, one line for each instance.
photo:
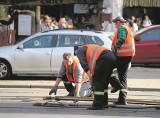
column 62, row 87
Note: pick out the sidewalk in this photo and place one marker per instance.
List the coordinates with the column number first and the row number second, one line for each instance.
column 133, row 84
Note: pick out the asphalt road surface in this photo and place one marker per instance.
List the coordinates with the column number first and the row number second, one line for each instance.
column 16, row 103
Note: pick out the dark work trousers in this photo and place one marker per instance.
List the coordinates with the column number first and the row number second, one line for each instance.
column 68, row 85
column 102, row 73
column 122, row 69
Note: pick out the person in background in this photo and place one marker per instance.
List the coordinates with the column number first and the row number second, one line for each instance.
column 45, row 25
column 69, row 20
column 62, row 23
column 130, row 24
column 135, row 26
column 146, row 22
column 124, row 48
column 72, row 72
column 139, row 23
column 53, row 25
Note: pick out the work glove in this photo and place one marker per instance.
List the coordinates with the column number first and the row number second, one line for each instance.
column 53, row 90
column 76, row 94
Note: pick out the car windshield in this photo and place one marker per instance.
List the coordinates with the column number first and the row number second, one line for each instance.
column 110, row 35
column 25, row 38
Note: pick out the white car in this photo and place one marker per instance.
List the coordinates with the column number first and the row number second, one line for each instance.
column 41, row 53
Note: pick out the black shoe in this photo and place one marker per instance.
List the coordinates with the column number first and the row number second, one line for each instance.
column 95, row 108
column 114, row 90
column 120, row 103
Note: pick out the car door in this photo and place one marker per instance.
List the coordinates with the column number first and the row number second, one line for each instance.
column 65, row 43
column 148, row 48
column 35, row 56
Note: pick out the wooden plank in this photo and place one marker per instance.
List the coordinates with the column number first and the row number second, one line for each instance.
column 73, row 98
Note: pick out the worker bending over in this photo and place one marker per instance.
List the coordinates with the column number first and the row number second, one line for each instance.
column 98, row 62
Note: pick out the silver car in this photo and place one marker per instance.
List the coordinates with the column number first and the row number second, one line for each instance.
column 41, row 53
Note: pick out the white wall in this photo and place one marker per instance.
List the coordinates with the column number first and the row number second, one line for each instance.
column 116, row 8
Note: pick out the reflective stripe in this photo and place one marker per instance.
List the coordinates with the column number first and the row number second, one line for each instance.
column 98, row 93
column 91, row 53
column 106, row 91
column 94, row 59
column 120, row 51
column 67, row 82
column 127, row 45
column 123, row 90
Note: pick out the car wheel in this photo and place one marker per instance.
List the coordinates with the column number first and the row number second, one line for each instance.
column 5, row 70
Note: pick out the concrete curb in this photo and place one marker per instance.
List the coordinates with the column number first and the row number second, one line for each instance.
column 62, row 87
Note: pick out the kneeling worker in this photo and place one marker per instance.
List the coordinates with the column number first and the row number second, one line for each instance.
column 72, row 72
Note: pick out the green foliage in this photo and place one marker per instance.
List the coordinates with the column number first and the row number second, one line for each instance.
column 3, row 13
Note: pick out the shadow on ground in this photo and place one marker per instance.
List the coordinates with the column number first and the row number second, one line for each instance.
column 31, row 78
column 146, row 65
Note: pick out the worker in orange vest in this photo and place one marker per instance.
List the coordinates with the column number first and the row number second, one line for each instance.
column 114, row 81
column 124, row 48
column 98, row 62
column 72, row 72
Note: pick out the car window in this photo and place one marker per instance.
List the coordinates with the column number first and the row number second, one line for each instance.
column 151, row 35
column 94, row 40
column 69, row 40
column 39, row 42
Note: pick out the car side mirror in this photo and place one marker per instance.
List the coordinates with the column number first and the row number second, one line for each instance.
column 137, row 39
column 20, row 46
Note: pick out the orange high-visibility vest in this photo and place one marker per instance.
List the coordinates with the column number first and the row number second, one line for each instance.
column 72, row 78
column 92, row 54
column 128, row 47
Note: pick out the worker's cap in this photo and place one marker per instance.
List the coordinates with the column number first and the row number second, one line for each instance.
column 77, row 46
column 66, row 56
column 119, row 18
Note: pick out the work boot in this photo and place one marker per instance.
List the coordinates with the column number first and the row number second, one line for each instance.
column 95, row 106
column 98, row 103
column 72, row 92
column 122, row 99
column 115, row 83
column 105, row 98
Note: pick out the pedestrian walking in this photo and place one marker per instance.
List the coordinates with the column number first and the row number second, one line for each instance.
column 124, row 48
column 98, row 62
column 72, row 72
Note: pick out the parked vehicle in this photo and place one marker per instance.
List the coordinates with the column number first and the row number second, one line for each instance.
column 147, row 42
column 41, row 53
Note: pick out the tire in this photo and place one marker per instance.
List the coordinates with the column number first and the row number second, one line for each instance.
column 5, row 70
